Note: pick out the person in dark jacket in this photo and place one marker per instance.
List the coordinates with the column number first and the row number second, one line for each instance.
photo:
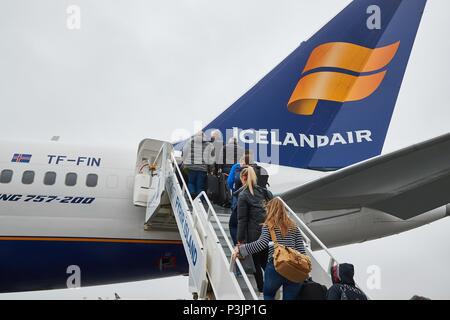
column 230, row 154
column 344, row 287
column 197, row 157
column 251, row 214
column 218, row 144
column 235, row 184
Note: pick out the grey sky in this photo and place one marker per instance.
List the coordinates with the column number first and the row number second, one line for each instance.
column 177, row 62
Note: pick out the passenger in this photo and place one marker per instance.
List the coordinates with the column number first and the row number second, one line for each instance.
column 234, row 180
column 246, row 160
column 288, row 234
column 197, row 156
column 235, row 185
column 344, row 287
column 251, row 213
column 230, row 154
column 218, row 144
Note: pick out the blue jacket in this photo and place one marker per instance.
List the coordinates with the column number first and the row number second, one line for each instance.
column 230, row 179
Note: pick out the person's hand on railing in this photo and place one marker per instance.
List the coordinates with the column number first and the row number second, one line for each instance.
column 236, row 253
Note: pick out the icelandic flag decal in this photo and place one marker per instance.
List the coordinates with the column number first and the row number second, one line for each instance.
column 22, row 158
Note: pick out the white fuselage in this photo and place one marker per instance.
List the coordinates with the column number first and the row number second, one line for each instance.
column 112, row 213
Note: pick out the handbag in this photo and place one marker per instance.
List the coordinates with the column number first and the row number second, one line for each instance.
column 290, row 263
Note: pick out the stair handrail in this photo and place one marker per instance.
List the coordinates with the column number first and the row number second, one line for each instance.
column 212, row 213
column 310, row 232
column 185, row 187
column 185, row 191
column 313, row 235
column 190, row 210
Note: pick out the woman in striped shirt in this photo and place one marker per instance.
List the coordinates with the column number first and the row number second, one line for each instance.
column 287, row 234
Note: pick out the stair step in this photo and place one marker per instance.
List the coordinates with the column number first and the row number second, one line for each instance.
column 217, row 229
column 244, row 288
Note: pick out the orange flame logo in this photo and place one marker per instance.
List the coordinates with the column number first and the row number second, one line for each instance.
column 338, row 86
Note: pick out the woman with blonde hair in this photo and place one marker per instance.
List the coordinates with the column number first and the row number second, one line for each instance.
column 251, row 213
column 235, row 184
column 288, row 234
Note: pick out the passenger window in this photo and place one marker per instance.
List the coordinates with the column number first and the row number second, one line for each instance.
column 6, row 176
column 50, row 178
column 91, row 180
column 71, row 179
column 28, row 177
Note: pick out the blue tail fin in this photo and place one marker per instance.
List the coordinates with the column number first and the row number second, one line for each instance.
column 329, row 104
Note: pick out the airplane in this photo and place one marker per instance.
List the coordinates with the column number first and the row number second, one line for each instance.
column 325, row 109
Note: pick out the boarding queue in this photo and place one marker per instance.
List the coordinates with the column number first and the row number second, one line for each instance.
column 264, row 235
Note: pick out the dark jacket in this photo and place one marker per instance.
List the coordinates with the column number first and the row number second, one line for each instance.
column 230, row 154
column 217, row 149
column 344, row 287
column 197, row 154
column 311, row 290
column 251, row 213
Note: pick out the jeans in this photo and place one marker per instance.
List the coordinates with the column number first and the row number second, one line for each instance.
column 273, row 281
column 260, row 262
column 196, row 182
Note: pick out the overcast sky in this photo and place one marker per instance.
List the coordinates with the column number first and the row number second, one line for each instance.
column 138, row 69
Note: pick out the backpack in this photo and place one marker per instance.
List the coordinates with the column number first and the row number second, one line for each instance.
column 237, row 178
column 351, row 293
column 290, row 263
column 212, row 187
column 217, row 190
column 261, row 175
column 262, row 178
column 343, row 294
column 224, row 195
column 311, row 290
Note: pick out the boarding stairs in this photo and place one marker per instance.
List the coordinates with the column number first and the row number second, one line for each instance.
column 203, row 227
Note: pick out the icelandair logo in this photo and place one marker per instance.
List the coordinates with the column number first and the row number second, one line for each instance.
column 336, row 85
column 301, row 140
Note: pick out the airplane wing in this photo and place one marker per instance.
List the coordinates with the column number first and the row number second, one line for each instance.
column 405, row 183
